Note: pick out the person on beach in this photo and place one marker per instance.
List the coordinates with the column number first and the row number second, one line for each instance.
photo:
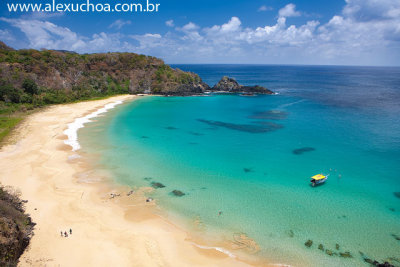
column 65, row 234
column 70, row 231
column 61, row 234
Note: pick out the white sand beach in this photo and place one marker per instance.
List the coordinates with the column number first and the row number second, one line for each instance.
column 120, row 231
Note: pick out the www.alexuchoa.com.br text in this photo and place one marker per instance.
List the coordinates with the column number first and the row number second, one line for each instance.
column 85, row 6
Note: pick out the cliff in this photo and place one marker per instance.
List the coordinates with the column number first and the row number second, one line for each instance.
column 16, row 228
column 230, row 85
column 82, row 75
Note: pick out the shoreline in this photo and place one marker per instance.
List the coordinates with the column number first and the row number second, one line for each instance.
column 106, row 231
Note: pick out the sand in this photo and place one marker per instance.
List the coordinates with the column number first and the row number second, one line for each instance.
column 120, row 231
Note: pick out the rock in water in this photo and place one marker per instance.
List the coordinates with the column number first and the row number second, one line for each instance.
column 157, row 185
column 396, row 237
column 329, row 252
column 345, row 255
column 302, row 150
column 321, row 247
column 227, row 84
column 178, row 193
column 230, row 85
column 308, row 243
column 396, row 194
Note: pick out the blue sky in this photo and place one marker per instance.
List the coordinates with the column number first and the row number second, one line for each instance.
column 351, row 32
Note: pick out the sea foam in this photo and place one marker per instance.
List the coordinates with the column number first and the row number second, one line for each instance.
column 226, row 252
column 72, row 130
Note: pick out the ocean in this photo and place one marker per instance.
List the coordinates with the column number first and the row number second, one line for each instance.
column 244, row 163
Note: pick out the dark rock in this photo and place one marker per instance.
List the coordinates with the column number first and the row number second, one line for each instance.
column 369, row 261
column 308, row 243
column 144, row 137
column 321, row 247
column 302, row 150
column 337, row 247
column 396, row 194
column 147, row 178
column 246, row 170
column 396, row 237
column 230, row 85
column 196, row 133
column 157, row 185
column 291, row 233
column 392, row 209
column 345, row 255
column 385, row 264
column 227, row 84
column 249, row 128
column 329, row 252
column 178, row 193
column 171, row 128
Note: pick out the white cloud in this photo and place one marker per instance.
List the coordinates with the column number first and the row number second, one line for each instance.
column 189, row 27
column 264, row 8
column 42, row 15
column 170, row 23
column 289, row 11
column 347, row 38
column 5, row 35
column 44, row 34
column 367, row 10
column 119, row 23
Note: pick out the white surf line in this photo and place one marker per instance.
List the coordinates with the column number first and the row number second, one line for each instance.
column 230, row 254
column 226, row 252
column 72, row 130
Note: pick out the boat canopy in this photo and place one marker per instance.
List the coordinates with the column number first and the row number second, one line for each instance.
column 318, row 177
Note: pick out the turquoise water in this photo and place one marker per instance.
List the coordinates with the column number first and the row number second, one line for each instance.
column 236, row 155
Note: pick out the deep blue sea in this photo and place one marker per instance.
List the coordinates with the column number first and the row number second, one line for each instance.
column 244, row 163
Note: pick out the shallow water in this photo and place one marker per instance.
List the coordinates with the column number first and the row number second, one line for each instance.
column 251, row 158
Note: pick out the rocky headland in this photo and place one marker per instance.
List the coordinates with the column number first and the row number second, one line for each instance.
column 56, row 76
column 230, row 85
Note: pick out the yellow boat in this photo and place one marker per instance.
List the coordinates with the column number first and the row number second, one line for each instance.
column 318, row 179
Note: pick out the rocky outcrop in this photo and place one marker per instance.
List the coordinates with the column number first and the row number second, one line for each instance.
column 230, row 85
column 3, row 46
column 16, row 228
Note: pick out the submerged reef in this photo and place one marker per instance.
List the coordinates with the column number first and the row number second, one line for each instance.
column 269, row 115
column 246, row 170
column 249, row 128
column 302, row 150
column 178, row 193
column 171, row 128
column 157, row 185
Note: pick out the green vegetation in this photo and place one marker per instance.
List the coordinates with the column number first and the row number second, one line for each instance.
column 7, row 124
column 30, row 79
column 16, row 227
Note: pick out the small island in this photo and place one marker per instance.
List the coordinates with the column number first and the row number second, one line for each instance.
column 230, row 85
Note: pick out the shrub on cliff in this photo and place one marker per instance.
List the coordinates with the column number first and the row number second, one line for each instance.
column 16, row 227
column 35, row 72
